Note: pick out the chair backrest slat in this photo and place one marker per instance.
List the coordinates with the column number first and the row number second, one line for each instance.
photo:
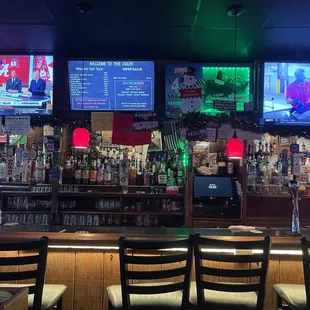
column 36, row 263
column 160, row 257
column 152, row 275
column 18, row 275
column 155, row 260
column 231, row 273
column 223, row 257
column 231, row 287
column 19, row 261
column 305, row 245
column 206, row 250
column 149, row 290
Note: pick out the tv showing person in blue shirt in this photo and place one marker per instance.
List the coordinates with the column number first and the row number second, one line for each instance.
column 37, row 83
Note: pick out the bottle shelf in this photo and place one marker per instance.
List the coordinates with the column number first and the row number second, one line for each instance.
column 121, row 212
column 21, row 193
column 115, row 194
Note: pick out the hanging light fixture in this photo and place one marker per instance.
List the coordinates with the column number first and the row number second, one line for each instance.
column 235, row 146
column 81, row 138
column 81, row 135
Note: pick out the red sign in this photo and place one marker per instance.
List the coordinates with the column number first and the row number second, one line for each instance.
column 20, row 64
column 188, row 93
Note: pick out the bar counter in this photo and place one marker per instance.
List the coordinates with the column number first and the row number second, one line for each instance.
column 88, row 262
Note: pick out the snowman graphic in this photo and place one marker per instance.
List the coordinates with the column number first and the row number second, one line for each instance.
column 191, row 92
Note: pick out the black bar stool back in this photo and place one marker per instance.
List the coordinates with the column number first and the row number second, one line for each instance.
column 157, row 294
column 221, row 295
column 41, row 296
column 36, row 273
column 296, row 296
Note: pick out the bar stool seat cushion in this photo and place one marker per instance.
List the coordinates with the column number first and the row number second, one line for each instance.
column 293, row 294
column 224, row 300
column 52, row 293
column 171, row 301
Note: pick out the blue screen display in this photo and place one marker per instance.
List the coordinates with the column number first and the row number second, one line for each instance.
column 210, row 186
column 111, row 85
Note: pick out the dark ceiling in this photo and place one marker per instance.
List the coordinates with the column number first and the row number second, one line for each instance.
column 157, row 29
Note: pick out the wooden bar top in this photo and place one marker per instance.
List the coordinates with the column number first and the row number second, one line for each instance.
column 108, row 236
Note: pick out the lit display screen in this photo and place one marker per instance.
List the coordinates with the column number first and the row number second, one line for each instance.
column 207, row 88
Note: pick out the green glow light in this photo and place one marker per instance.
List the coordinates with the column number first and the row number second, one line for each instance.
column 214, row 89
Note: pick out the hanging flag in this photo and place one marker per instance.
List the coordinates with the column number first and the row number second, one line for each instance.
column 171, row 136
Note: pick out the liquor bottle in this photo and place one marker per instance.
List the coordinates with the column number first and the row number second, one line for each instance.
column 162, row 175
column 100, row 174
column 33, row 156
column 133, row 172
column 71, row 170
column 78, row 171
column 93, row 172
column 108, row 174
column 140, row 176
column 115, row 172
column 230, row 167
column 18, row 163
column 154, row 173
column 222, row 166
column 124, row 169
column 3, row 173
column 47, row 169
column 147, row 172
column 39, row 167
column 85, row 171
column 25, row 159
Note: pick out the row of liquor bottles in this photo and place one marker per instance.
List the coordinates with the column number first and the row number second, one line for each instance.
column 119, row 167
column 266, row 164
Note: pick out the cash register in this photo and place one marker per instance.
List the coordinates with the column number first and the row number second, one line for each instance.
column 216, row 197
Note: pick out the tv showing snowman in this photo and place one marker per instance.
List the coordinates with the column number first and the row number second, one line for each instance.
column 201, row 87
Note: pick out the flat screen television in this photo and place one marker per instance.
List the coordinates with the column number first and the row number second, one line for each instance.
column 26, row 85
column 111, row 85
column 285, row 94
column 207, row 88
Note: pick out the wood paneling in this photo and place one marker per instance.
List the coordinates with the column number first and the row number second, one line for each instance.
column 273, row 277
column 9, row 268
column 60, row 269
column 89, row 281
column 291, row 270
column 111, row 274
column 87, row 275
column 27, row 267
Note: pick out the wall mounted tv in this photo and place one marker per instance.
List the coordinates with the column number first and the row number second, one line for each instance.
column 26, row 85
column 208, row 88
column 285, row 94
column 111, row 85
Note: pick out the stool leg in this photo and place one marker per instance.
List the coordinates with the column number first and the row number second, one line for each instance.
column 279, row 302
column 59, row 304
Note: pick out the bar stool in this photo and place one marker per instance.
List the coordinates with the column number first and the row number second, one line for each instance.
column 41, row 297
column 296, row 296
column 154, row 295
column 208, row 294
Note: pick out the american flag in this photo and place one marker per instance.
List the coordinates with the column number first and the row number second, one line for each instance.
column 171, row 135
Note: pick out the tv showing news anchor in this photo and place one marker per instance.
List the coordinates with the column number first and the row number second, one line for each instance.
column 26, row 85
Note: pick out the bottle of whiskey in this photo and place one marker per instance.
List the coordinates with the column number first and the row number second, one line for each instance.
column 162, row 175
column 222, row 166
column 93, row 172
column 85, row 171
column 78, row 171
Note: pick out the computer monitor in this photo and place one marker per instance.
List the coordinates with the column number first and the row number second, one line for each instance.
column 212, row 186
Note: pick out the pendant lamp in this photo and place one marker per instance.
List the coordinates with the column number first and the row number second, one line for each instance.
column 81, row 138
column 235, row 147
